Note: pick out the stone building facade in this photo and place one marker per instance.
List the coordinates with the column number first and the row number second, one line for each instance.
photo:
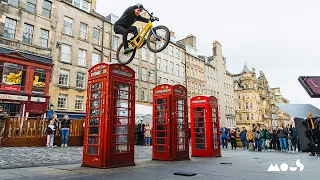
column 254, row 99
column 278, row 116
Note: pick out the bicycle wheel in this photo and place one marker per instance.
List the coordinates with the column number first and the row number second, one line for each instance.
column 125, row 58
column 158, row 42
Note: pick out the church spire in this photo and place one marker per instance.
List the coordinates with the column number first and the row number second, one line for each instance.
column 245, row 69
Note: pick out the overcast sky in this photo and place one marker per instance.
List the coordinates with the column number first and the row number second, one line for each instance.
column 279, row 37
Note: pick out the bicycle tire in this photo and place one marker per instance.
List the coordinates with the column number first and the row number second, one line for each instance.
column 165, row 44
column 130, row 59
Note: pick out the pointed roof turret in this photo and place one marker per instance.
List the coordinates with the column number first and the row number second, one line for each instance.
column 245, row 69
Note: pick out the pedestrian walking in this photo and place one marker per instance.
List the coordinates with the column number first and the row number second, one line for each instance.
column 65, row 129
column 257, row 139
column 233, row 134
column 243, row 137
column 147, row 134
column 51, row 128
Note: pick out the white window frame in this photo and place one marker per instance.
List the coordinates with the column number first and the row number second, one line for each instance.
column 64, row 77
column 96, row 36
column 66, row 53
column 165, row 65
column 152, row 56
column 10, row 28
column 67, row 26
column 27, row 36
column 151, row 75
column 82, row 54
column 144, row 54
column 65, row 98
column 44, row 38
column 79, row 103
column 83, row 31
column 159, row 63
column 177, row 69
column 171, row 67
column 95, row 59
column 115, row 42
column 144, row 95
column 144, row 74
column 80, row 80
column 136, row 70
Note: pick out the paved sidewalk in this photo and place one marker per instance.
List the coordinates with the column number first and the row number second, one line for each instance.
column 18, row 157
column 245, row 166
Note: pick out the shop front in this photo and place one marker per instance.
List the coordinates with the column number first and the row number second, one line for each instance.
column 24, row 83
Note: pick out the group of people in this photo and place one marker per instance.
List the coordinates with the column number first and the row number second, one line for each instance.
column 56, row 126
column 258, row 138
column 143, row 134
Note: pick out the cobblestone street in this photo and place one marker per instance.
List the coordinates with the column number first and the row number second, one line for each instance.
column 41, row 156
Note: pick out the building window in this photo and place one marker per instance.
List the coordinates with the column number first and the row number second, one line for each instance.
column 76, row 3
column 144, row 54
column 151, row 57
column 247, row 106
column 144, row 74
column 172, row 81
column 165, row 64
column 10, row 28
column 182, row 72
column 27, row 33
column 177, row 53
column 251, row 106
column 31, row 6
column 115, row 43
column 151, row 96
column 82, row 57
column 79, row 103
column 159, row 63
column 177, row 69
column 137, row 93
column 39, row 80
column 83, row 31
column 165, row 80
column 252, row 117
column 13, row 2
column 171, row 50
column 137, row 55
column 248, row 117
column 171, row 67
column 80, row 80
column 85, row 5
column 46, row 8
column 13, row 76
column 95, row 59
column 44, row 38
column 239, row 105
column 136, row 70
column 96, row 36
column 64, row 77
column 151, row 76
column 66, row 53
column 240, row 117
column 144, row 94
column 67, row 27
column 238, row 96
column 158, row 80
column 62, row 101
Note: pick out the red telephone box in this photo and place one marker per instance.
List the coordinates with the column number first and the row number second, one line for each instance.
column 205, row 131
column 170, row 123
column 109, row 125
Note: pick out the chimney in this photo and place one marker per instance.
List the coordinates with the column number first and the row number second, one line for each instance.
column 93, row 5
column 190, row 40
column 217, row 50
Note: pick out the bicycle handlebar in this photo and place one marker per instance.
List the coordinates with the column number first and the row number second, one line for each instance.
column 152, row 18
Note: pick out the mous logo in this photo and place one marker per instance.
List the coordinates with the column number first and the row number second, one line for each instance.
column 285, row 167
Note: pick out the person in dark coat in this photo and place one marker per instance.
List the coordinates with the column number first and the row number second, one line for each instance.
column 243, row 137
column 141, row 133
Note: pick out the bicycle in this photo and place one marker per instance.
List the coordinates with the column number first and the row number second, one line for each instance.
column 152, row 39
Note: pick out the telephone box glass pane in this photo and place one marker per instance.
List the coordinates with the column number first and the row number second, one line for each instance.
column 94, row 112
column 96, row 95
column 199, row 128
column 94, row 131
column 93, row 150
column 181, row 125
column 215, row 138
column 160, row 126
column 95, row 103
column 121, row 123
column 96, row 86
column 93, row 140
column 214, row 115
column 94, row 121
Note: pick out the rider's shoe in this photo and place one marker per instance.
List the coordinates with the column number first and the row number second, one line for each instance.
column 127, row 51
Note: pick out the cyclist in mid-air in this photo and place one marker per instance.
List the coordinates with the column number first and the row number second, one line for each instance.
column 124, row 24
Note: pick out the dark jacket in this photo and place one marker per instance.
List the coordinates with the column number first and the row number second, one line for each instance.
column 129, row 17
column 282, row 133
column 243, row 135
column 290, row 133
column 257, row 135
column 233, row 135
column 65, row 123
column 51, row 131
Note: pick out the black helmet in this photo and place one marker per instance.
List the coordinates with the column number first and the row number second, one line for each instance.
column 140, row 7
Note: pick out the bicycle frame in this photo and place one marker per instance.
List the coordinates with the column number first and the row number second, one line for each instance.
column 144, row 33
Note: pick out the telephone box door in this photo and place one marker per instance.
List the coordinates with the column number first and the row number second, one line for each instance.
column 161, row 129
column 122, row 123
column 199, row 139
column 215, row 131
